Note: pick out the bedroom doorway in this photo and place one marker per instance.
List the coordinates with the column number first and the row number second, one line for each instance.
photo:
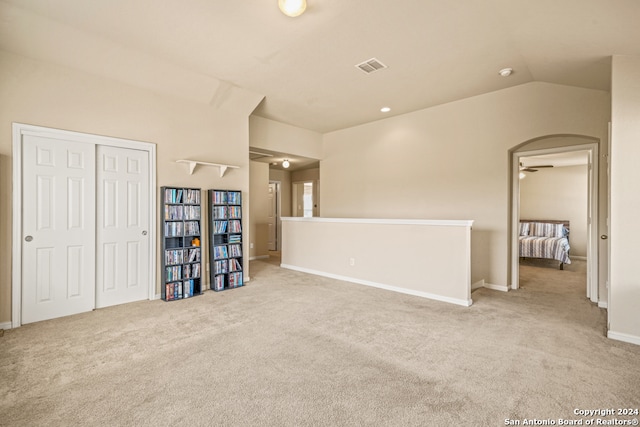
column 539, row 153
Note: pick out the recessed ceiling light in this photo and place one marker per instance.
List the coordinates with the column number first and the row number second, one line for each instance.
column 385, row 109
column 505, row 72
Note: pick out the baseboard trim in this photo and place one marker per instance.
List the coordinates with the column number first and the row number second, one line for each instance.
column 253, row 258
column 619, row 336
column 5, row 325
column 603, row 304
column 482, row 284
column 581, row 258
column 501, row 288
column 465, row 303
column 479, row 284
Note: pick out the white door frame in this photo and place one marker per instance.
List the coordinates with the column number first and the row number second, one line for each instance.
column 19, row 130
column 592, row 219
column 278, row 215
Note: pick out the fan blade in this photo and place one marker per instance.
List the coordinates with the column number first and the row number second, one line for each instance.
column 529, row 170
column 540, row 166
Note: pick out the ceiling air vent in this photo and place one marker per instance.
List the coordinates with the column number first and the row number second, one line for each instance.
column 255, row 155
column 371, row 65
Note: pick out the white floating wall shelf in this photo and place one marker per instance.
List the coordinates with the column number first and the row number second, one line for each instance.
column 193, row 163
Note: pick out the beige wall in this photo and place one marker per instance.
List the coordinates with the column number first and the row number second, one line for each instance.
column 284, row 138
column 259, row 210
column 451, row 162
column 624, row 302
column 312, row 174
column 43, row 94
column 344, row 249
column 558, row 193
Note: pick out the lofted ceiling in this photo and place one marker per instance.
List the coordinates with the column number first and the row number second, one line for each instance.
column 303, row 68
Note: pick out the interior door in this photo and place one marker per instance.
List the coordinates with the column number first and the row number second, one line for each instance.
column 122, row 226
column 272, row 216
column 58, row 223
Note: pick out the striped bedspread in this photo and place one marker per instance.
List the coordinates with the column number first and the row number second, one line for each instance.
column 545, row 247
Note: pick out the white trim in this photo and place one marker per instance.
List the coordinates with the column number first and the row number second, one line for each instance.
column 20, row 129
column 479, row 284
column 603, row 304
column 278, row 185
column 5, row 325
column 619, row 336
column 465, row 303
column 579, row 258
column 501, row 288
column 482, row 284
column 456, row 223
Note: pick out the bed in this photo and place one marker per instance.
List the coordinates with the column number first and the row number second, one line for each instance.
column 545, row 239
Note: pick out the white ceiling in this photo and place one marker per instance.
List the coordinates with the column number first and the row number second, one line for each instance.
column 437, row 51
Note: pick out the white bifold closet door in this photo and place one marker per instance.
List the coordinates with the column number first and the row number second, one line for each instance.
column 58, row 228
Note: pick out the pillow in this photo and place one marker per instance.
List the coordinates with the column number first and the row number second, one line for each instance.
column 524, row 228
column 544, row 229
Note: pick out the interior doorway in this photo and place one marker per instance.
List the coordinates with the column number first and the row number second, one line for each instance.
column 273, row 216
column 554, row 192
column 305, row 196
column 536, row 149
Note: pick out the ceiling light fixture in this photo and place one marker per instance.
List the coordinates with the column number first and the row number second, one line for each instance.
column 505, row 72
column 385, row 109
column 292, row 8
column 522, row 175
column 286, row 164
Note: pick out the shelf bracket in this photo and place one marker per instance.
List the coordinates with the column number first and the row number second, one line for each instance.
column 192, row 166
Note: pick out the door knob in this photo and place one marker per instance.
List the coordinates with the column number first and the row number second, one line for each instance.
column 28, row 238
column 604, row 237
column 144, row 233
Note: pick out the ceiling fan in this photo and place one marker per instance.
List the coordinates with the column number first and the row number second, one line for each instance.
column 533, row 168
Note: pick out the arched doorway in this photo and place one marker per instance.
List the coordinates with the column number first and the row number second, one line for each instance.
column 548, row 146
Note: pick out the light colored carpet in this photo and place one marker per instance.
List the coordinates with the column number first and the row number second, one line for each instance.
column 291, row 349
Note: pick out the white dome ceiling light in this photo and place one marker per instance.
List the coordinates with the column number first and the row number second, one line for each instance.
column 292, row 8
column 286, row 164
